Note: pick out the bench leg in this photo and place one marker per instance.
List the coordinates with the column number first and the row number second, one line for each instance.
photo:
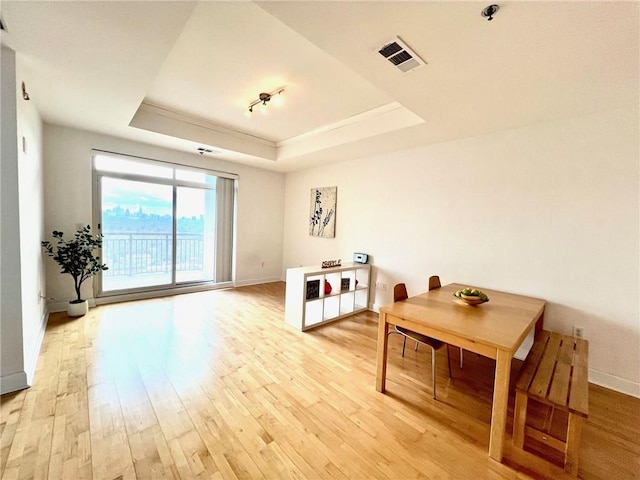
column 519, row 419
column 574, row 430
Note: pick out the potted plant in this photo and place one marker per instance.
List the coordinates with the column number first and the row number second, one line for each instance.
column 76, row 258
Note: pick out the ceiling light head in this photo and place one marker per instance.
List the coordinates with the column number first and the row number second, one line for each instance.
column 263, row 98
column 277, row 99
column 490, row 11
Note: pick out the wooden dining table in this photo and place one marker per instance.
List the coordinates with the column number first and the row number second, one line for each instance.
column 494, row 329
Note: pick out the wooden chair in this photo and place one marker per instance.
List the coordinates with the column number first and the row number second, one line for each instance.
column 434, row 282
column 399, row 294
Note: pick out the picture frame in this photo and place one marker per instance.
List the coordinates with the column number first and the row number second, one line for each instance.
column 313, row 289
column 322, row 215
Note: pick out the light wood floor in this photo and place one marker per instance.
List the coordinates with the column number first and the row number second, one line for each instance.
column 215, row 385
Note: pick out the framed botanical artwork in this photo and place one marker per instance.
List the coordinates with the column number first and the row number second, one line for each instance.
column 322, row 217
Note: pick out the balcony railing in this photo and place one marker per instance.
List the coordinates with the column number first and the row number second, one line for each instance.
column 142, row 253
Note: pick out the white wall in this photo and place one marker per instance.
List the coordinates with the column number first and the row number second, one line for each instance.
column 12, row 374
column 68, row 197
column 30, row 175
column 23, row 313
column 550, row 211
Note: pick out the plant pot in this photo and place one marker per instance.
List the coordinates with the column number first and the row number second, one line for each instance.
column 77, row 309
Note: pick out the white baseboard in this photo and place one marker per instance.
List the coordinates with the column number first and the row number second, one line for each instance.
column 13, row 382
column 62, row 306
column 31, row 360
column 257, row 281
column 612, row 382
column 55, row 307
column 24, row 379
column 129, row 297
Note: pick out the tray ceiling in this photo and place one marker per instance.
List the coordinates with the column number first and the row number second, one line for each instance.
column 182, row 74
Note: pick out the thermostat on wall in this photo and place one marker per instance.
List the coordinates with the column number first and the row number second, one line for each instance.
column 360, row 257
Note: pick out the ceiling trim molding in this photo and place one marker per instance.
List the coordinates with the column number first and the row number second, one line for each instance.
column 185, row 118
column 377, row 121
column 361, row 117
column 168, row 122
column 385, row 118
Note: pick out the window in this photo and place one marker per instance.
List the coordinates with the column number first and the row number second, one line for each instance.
column 164, row 226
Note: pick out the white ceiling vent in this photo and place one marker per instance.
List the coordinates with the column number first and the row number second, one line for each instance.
column 400, row 55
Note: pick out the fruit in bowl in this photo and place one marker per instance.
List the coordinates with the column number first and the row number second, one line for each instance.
column 471, row 296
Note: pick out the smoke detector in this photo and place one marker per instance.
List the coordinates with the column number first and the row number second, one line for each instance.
column 400, row 55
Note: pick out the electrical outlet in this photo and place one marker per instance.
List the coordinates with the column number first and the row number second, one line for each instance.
column 383, row 287
column 578, row 332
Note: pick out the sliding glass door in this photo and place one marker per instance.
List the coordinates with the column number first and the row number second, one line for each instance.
column 164, row 226
column 195, row 246
column 137, row 224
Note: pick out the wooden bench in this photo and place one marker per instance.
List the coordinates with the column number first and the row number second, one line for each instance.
column 555, row 374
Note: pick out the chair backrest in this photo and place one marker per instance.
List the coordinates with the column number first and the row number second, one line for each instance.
column 434, row 282
column 400, row 292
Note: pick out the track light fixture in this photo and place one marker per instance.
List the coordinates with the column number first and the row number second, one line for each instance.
column 262, row 100
column 490, row 11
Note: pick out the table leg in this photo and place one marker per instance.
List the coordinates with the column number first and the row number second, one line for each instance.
column 500, row 404
column 381, row 373
column 540, row 323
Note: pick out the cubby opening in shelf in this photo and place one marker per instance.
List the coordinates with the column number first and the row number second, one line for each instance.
column 310, row 302
column 314, row 312
column 347, row 304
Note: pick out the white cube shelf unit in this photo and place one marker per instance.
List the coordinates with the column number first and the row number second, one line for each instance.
column 307, row 305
